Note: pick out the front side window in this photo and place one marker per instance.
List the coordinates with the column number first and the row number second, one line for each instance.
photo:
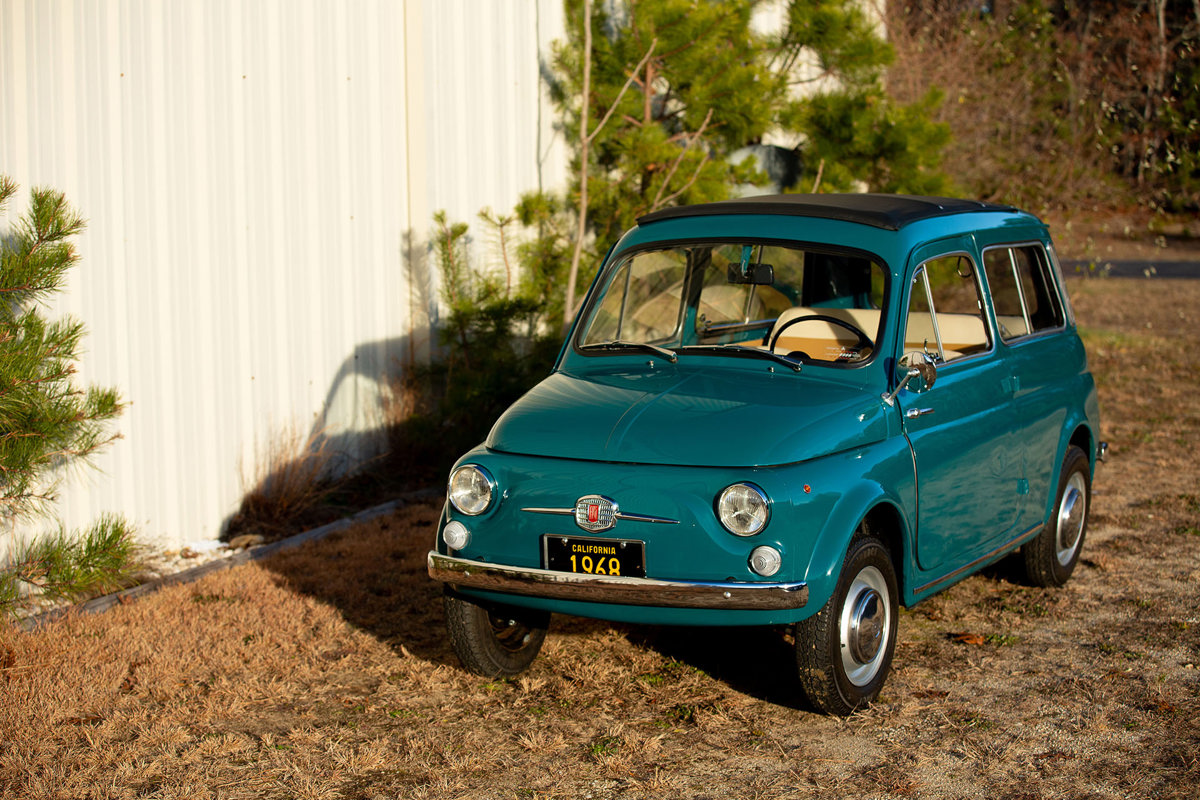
column 945, row 310
column 707, row 298
column 1023, row 292
column 642, row 301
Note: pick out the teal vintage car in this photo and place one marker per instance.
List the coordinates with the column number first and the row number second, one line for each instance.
column 795, row 410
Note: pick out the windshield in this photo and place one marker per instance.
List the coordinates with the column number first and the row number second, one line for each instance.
column 805, row 305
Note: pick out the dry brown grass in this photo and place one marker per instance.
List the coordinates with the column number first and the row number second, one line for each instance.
column 324, row 672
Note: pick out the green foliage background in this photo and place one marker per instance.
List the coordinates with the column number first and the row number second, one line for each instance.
column 676, row 88
column 1046, row 104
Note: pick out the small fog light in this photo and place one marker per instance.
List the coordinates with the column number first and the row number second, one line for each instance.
column 766, row 561
column 456, row 536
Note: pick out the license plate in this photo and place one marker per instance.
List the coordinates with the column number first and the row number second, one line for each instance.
column 621, row 557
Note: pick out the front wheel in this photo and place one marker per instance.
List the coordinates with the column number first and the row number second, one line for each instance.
column 844, row 651
column 493, row 640
column 1051, row 556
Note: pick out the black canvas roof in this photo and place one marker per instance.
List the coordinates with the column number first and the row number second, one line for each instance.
column 888, row 211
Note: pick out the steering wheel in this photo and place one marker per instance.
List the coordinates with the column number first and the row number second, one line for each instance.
column 863, row 340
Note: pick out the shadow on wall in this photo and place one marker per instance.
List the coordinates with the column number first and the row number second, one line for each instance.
column 302, row 479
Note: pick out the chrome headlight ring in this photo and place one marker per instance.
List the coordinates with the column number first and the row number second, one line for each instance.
column 471, row 489
column 744, row 509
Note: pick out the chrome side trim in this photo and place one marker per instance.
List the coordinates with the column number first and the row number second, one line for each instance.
column 570, row 512
column 986, row 557
column 732, row 595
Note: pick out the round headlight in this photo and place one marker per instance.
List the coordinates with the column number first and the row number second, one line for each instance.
column 471, row 489
column 743, row 509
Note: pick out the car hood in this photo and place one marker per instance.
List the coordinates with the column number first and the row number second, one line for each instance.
column 703, row 417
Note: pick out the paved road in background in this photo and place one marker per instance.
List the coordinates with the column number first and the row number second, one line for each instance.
column 1134, row 269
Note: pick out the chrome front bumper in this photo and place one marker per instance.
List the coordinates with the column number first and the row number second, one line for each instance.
column 732, row 595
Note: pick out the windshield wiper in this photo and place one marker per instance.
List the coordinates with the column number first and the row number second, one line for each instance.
column 621, row 344
column 740, row 350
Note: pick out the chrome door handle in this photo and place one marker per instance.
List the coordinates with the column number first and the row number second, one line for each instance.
column 913, row 413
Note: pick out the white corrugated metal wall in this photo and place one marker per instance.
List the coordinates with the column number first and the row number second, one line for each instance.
column 257, row 177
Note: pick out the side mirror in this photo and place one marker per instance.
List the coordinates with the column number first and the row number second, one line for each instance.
column 923, row 366
column 914, row 366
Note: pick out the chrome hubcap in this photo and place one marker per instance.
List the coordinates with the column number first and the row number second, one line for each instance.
column 865, row 626
column 1069, row 525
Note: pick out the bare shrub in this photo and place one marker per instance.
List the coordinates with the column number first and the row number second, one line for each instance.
column 288, row 485
column 1005, row 89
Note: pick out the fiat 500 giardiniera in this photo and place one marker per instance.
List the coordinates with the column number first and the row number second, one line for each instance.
column 798, row 410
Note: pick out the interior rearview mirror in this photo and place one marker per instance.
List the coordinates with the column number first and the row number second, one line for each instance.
column 756, row 274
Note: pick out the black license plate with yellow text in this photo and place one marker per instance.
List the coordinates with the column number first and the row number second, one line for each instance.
column 624, row 558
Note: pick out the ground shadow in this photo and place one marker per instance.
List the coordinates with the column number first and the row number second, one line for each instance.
column 756, row 660
column 373, row 573
column 1009, row 569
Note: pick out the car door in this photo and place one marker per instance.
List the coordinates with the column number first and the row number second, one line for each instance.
column 1031, row 317
column 962, row 430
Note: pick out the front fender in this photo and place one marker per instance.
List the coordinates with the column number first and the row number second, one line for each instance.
column 880, row 475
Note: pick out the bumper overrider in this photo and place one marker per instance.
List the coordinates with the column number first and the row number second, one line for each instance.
column 731, row 595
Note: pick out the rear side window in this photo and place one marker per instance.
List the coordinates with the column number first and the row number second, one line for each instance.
column 1024, row 293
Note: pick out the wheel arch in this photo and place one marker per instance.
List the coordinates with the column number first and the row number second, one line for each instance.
column 1083, row 438
column 884, row 518
column 1081, row 435
column 886, row 523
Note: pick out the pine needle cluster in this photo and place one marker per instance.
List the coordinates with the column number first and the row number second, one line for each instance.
column 46, row 421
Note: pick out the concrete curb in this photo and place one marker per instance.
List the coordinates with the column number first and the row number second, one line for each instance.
column 106, row 602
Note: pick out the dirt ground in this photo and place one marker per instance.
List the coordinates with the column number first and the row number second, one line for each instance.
column 325, row 672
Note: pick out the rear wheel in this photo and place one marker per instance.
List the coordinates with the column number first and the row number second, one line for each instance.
column 1051, row 556
column 844, row 651
column 493, row 640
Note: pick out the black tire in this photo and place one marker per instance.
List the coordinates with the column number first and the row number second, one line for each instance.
column 1051, row 556
column 493, row 640
column 844, row 651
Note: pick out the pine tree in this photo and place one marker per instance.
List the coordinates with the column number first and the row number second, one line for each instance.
column 47, row 422
column 656, row 95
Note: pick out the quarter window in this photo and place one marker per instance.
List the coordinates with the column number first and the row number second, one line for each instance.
column 1023, row 292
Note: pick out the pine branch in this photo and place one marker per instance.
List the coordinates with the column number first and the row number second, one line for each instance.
column 658, row 198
